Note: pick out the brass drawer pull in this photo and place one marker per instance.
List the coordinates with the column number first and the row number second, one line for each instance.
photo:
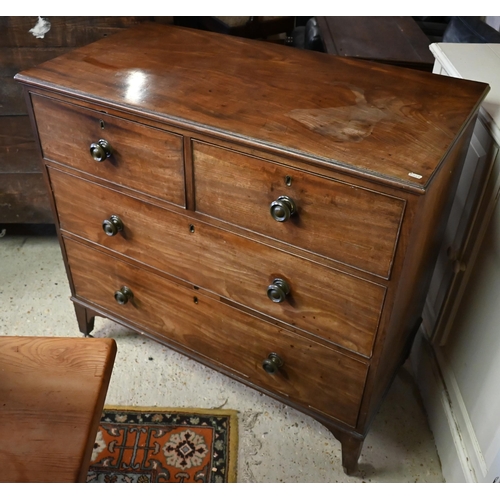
column 113, row 225
column 272, row 364
column 101, row 150
column 123, row 295
column 278, row 290
column 282, row 208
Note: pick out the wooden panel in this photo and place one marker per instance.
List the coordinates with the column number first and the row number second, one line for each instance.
column 18, row 152
column 388, row 39
column 340, row 221
column 24, row 199
column 320, row 300
column 52, row 392
column 20, row 50
column 423, row 246
column 379, row 121
column 23, row 194
column 326, row 37
column 222, row 334
column 144, row 158
column 13, row 60
column 65, row 31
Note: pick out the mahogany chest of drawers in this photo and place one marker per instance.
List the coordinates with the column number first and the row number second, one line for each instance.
column 270, row 212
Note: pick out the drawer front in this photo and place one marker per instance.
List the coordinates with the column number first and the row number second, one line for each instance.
column 312, row 375
column 143, row 158
column 340, row 221
column 336, row 306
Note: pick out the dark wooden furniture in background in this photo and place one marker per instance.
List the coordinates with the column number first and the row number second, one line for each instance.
column 23, row 195
column 271, row 212
column 256, row 27
column 389, row 40
column 52, row 393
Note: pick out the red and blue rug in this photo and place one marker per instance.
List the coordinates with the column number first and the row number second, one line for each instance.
column 162, row 445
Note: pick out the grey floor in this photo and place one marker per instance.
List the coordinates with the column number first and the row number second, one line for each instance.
column 276, row 443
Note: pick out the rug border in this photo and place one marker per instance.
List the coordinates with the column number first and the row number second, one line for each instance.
column 232, row 464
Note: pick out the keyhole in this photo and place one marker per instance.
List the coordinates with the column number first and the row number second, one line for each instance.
column 101, row 122
column 288, row 180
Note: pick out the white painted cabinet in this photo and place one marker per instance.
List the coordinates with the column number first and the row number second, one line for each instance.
column 456, row 356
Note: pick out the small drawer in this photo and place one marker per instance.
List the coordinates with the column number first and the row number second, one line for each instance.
column 333, row 305
column 311, row 374
column 142, row 158
column 340, row 221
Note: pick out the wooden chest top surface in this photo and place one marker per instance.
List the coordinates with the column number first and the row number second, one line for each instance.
column 380, row 121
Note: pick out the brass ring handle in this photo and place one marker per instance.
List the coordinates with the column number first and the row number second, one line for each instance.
column 278, row 290
column 272, row 363
column 123, row 295
column 112, row 226
column 282, row 208
column 100, row 150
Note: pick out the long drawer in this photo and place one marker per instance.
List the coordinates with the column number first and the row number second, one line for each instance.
column 336, row 306
column 143, row 158
column 340, row 221
column 311, row 374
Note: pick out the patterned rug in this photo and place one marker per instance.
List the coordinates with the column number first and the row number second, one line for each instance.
column 161, row 445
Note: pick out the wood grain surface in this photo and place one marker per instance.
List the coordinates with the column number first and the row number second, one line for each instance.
column 376, row 119
column 52, row 392
column 321, row 299
column 65, row 31
column 24, row 200
column 387, row 39
column 20, row 50
column 18, row 151
column 23, row 193
column 13, row 60
column 312, row 374
column 358, row 227
column 144, row 158
column 370, row 153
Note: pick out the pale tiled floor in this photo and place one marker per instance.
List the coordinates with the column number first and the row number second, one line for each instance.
column 276, row 443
